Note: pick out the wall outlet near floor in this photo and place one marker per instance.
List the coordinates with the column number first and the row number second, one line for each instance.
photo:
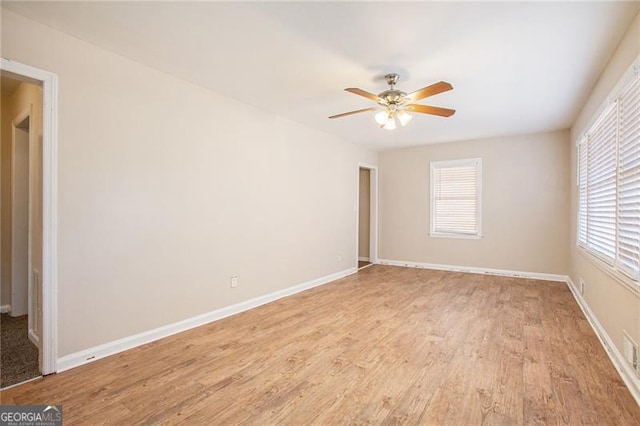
column 581, row 286
column 339, row 258
column 234, row 281
column 630, row 351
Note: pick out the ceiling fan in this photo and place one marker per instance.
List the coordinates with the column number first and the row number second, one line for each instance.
column 395, row 104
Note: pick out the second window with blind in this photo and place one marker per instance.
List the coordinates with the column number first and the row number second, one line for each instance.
column 456, row 198
column 609, row 183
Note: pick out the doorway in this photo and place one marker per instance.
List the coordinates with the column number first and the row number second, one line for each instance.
column 21, row 230
column 28, row 198
column 367, row 240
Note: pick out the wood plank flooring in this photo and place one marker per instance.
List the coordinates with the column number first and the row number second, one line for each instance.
column 387, row 345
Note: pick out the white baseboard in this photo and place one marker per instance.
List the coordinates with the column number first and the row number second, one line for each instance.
column 34, row 338
column 624, row 369
column 4, row 309
column 92, row 354
column 475, row 270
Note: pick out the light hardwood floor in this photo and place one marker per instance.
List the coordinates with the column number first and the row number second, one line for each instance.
column 387, row 345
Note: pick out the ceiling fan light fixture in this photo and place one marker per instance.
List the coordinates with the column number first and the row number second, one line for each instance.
column 390, row 124
column 386, row 119
column 404, row 118
column 382, row 117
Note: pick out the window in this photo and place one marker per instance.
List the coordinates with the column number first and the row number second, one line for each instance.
column 456, row 188
column 609, row 183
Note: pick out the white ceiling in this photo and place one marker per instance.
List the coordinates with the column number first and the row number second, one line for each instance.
column 516, row 67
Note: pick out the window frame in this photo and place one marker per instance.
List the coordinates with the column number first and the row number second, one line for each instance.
column 609, row 266
column 476, row 162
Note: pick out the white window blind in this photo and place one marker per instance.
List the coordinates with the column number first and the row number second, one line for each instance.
column 582, row 198
column 609, row 183
column 601, row 186
column 629, row 180
column 455, row 197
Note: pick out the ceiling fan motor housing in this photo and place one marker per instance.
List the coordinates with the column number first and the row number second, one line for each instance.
column 392, row 97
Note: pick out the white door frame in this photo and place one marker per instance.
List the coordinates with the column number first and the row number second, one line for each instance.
column 49, row 273
column 373, row 211
column 23, row 115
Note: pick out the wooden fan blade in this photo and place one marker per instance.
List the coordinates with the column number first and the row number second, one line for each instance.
column 425, row 92
column 353, row 112
column 426, row 109
column 364, row 93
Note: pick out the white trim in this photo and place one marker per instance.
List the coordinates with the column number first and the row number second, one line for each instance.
column 622, row 366
column 88, row 355
column 33, row 152
column 34, row 338
column 625, row 78
column 4, row 309
column 475, row 270
column 460, row 236
column 49, row 273
column 616, row 274
column 363, row 259
column 373, row 210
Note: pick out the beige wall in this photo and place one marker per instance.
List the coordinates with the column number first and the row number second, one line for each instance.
column 364, row 223
column 525, row 204
column 25, row 96
column 615, row 306
column 166, row 189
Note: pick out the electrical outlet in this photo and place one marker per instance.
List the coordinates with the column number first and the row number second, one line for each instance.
column 630, row 351
column 581, row 286
column 339, row 258
column 234, row 281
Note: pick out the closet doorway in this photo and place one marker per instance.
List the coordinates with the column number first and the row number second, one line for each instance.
column 367, row 217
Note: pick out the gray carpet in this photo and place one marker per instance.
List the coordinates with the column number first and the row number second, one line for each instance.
column 18, row 356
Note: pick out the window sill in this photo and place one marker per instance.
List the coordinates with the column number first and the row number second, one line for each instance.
column 456, row 236
column 617, row 276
